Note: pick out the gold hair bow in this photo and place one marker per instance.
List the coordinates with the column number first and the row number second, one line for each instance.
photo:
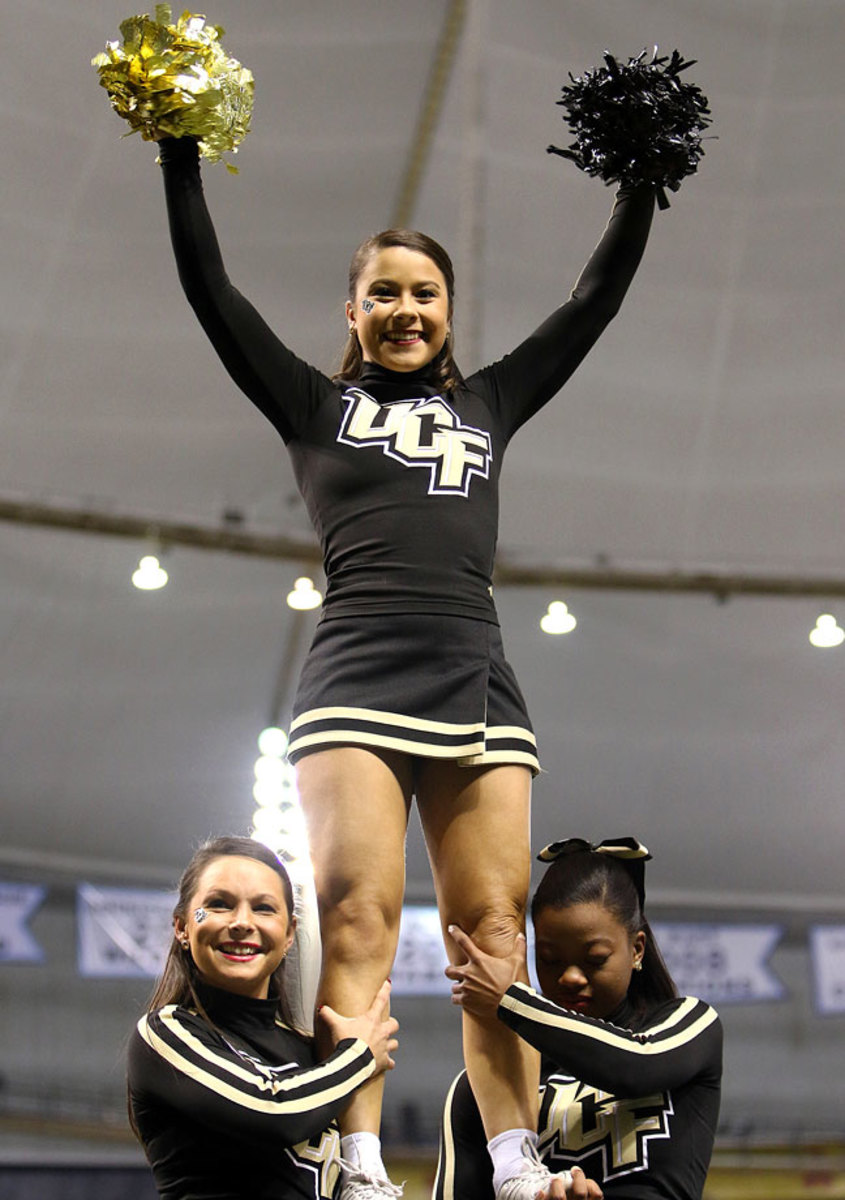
column 624, row 847
column 632, row 854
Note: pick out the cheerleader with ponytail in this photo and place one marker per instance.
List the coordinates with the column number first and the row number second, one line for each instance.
column 631, row 1071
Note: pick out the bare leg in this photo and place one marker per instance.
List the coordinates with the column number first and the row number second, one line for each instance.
column 356, row 806
column 476, row 825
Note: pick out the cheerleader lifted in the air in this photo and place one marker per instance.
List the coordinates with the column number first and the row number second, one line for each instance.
column 406, row 692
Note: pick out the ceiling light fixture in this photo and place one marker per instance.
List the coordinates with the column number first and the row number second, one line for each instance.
column 558, row 619
column 827, row 633
column 273, row 741
column 149, row 575
column 278, row 821
column 304, row 595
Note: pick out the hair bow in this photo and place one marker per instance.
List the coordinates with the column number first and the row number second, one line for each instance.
column 632, row 854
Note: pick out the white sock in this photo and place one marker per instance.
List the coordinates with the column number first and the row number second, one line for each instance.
column 506, row 1152
column 363, row 1151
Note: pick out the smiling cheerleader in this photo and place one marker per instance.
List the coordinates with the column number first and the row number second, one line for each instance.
column 227, row 1097
column 406, row 691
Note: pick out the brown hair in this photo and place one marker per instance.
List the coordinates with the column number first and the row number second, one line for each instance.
column 177, row 983
column 447, row 374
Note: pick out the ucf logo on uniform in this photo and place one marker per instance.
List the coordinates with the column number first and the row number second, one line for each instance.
column 419, row 433
column 585, row 1120
column 320, row 1155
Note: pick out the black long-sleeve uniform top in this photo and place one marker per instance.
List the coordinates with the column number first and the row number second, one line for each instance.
column 400, row 481
column 632, row 1101
column 238, row 1109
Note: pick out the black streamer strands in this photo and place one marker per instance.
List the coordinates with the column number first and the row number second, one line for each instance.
column 636, row 123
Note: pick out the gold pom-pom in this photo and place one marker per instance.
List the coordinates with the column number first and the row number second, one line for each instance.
column 175, row 80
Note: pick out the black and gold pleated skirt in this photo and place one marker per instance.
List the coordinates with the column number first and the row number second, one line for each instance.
column 430, row 686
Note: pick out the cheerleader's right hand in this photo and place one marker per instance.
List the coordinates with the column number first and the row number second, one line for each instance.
column 376, row 1027
column 580, row 1188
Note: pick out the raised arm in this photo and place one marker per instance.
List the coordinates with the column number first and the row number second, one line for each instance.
column 535, row 371
column 281, row 385
column 602, row 284
column 684, row 1043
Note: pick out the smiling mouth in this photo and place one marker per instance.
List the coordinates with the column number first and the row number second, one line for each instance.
column 405, row 339
column 238, row 950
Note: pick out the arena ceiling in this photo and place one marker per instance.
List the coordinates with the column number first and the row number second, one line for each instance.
column 683, row 494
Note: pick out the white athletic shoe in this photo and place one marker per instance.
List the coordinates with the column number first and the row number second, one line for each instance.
column 533, row 1177
column 358, row 1185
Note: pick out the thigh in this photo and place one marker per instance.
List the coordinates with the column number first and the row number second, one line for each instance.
column 476, row 823
column 356, row 804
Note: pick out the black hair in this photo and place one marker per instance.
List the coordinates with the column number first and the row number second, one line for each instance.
column 586, row 877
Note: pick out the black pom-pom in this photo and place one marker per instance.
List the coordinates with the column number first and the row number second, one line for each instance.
column 636, row 123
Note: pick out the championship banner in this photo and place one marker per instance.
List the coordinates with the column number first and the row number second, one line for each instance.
column 827, row 952
column 18, row 901
column 122, row 933
column 722, row 964
column 420, row 958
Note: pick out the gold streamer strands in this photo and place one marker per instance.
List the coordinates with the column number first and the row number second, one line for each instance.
column 175, row 80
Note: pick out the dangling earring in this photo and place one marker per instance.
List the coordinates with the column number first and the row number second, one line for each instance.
column 638, row 965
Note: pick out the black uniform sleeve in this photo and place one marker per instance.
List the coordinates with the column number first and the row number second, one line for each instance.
column 286, row 389
column 683, row 1041
column 526, row 379
column 464, row 1167
column 178, row 1061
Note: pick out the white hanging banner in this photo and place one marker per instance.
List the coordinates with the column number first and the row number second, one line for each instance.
column 723, row 964
column 420, row 957
column 827, row 951
column 125, row 932
column 122, row 932
column 18, row 901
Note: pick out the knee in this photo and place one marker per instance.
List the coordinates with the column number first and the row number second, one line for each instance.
column 360, row 925
column 493, row 927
